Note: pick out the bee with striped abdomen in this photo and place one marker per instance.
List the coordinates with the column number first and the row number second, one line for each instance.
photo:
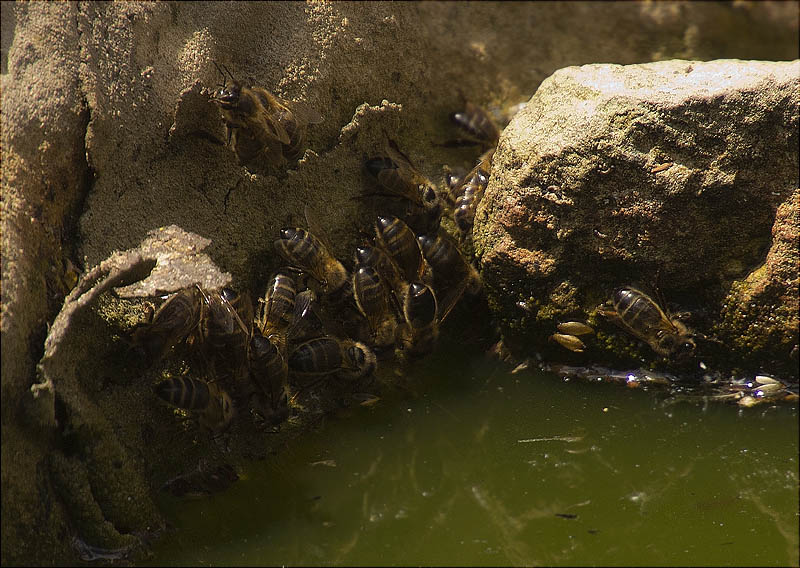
column 329, row 355
column 212, row 404
column 259, row 124
column 638, row 314
column 172, row 323
column 305, row 251
column 452, row 275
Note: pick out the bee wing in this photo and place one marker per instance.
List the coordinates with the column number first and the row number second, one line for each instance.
column 269, row 120
column 407, row 168
column 246, row 310
column 305, row 319
column 302, row 112
column 316, row 229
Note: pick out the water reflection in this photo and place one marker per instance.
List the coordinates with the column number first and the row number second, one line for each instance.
column 488, row 467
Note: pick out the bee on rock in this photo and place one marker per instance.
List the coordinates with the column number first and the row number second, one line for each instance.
column 638, row 314
column 259, row 124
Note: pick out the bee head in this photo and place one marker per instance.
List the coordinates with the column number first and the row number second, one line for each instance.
column 228, row 96
column 429, row 197
column 362, row 358
column 679, row 346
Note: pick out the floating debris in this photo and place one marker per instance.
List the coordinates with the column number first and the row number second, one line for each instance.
column 568, row 439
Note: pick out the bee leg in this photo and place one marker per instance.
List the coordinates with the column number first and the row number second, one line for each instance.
column 229, row 133
column 682, row 316
column 610, row 314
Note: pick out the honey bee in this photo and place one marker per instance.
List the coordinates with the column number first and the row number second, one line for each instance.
column 468, row 195
column 276, row 308
column 260, row 124
column 452, row 274
column 397, row 175
column 420, row 331
column 330, row 355
column 295, row 118
column 569, row 342
column 224, row 332
column 476, row 123
column 399, row 242
column 280, row 313
column 376, row 258
column 372, row 295
column 173, row 322
column 302, row 249
column 642, row 317
column 269, row 370
column 212, row 404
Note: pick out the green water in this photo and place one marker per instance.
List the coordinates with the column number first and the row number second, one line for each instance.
column 608, row 475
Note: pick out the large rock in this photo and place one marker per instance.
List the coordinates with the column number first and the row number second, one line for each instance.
column 679, row 175
column 108, row 133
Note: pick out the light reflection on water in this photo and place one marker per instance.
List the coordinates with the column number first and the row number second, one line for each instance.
column 489, row 468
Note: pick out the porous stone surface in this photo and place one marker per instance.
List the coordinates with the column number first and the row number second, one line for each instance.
column 108, row 132
column 675, row 175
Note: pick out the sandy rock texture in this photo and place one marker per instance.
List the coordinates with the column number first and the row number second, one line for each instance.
column 678, row 175
column 108, row 133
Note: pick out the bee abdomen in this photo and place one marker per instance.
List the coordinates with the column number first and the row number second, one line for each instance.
column 475, row 122
column 636, row 310
column 183, row 392
column 401, row 244
column 277, row 307
column 419, row 306
column 369, row 291
column 316, row 357
column 297, row 245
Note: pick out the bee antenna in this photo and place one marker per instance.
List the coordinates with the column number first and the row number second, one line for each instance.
column 221, row 72
column 229, row 73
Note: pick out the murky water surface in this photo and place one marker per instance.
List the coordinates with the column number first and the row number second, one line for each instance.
column 490, row 468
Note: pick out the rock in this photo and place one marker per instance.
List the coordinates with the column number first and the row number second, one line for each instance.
column 109, row 132
column 673, row 176
column 759, row 316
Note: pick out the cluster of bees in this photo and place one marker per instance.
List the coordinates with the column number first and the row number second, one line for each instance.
column 317, row 320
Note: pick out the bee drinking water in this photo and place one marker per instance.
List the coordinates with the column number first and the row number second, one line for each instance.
column 328, row 355
column 212, row 404
column 373, row 299
column 420, row 330
column 452, row 274
column 641, row 316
